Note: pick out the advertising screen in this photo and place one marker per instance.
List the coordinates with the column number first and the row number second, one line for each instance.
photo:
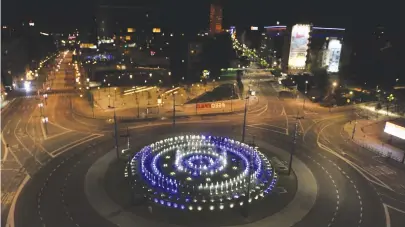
column 334, row 49
column 88, row 45
column 395, row 130
column 299, row 46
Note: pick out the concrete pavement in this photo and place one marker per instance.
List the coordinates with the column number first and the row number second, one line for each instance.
column 288, row 216
column 371, row 141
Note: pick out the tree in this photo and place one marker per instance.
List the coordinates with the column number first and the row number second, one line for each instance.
column 217, row 54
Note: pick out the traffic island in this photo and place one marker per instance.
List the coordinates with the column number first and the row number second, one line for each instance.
column 108, row 190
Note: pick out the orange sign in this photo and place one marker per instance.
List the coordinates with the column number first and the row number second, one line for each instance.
column 214, row 105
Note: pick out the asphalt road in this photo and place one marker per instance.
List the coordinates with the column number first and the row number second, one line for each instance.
column 349, row 195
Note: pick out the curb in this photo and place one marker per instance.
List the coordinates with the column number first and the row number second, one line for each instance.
column 135, row 119
column 11, row 213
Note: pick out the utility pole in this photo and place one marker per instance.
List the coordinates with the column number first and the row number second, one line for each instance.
column 244, row 119
column 247, row 197
column 293, row 148
column 354, row 129
column 174, row 109
column 127, row 136
column 116, row 134
column 306, row 88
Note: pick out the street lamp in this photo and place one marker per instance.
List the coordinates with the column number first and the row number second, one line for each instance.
column 306, row 91
column 244, row 117
column 174, row 108
column 41, row 105
column 45, row 121
column 159, row 102
column 45, row 97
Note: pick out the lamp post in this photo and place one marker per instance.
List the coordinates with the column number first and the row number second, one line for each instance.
column 159, row 102
column 244, row 117
column 45, row 121
column 233, row 93
column 293, row 148
column 41, row 106
column 45, row 98
column 306, row 91
column 99, row 95
column 116, row 134
column 174, row 108
column 115, row 93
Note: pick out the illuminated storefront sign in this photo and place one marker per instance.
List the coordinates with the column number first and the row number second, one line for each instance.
column 156, row 30
column 299, row 46
column 105, row 41
column 395, row 130
column 215, row 105
column 334, row 50
column 88, row 45
column 130, row 30
column 254, row 28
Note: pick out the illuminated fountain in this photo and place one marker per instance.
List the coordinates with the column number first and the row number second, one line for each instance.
column 197, row 172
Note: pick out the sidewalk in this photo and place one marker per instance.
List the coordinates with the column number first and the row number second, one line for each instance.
column 81, row 107
column 370, row 137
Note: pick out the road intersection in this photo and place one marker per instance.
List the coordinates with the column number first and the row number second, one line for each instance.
column 355, row 188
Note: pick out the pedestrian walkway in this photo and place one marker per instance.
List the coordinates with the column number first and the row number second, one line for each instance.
column 371, row 140
column 294, row 212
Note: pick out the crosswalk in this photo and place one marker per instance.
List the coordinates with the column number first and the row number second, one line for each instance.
column 379, row 170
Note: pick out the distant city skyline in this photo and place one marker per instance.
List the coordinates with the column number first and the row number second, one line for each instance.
column 78, row 14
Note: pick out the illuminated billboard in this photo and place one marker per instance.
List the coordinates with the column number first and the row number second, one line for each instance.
column 395, row 130
column 156, row 30
column 130, row 30
column 334, row 49
column 299, row 46
column 88, row 45
column 254, row 28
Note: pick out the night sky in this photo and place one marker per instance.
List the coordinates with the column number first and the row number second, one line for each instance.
column 57, row 15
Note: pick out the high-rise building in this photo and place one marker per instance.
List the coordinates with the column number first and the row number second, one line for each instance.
column 215, row 18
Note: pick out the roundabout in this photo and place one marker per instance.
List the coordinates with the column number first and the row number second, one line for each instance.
column 89, row 187
column 199, row 172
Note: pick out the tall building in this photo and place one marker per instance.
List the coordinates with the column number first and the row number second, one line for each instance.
column 215, row 18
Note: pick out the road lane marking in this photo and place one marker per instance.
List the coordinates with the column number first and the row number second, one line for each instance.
column 252, row 126
column 286, row 118
column 265, row 109
column 11, row 214
column 18, row 139
column 84, row 123
column 56, row 135
column 71, row 143
column 4, row 142
column 89, row 138
column 269, row 125
column 352, row 164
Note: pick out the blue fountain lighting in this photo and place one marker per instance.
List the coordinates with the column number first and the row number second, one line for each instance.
column 197, row 172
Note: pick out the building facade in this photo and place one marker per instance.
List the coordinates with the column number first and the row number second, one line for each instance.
column 215, row 19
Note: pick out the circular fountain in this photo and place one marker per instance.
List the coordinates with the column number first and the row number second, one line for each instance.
column 199, row 172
